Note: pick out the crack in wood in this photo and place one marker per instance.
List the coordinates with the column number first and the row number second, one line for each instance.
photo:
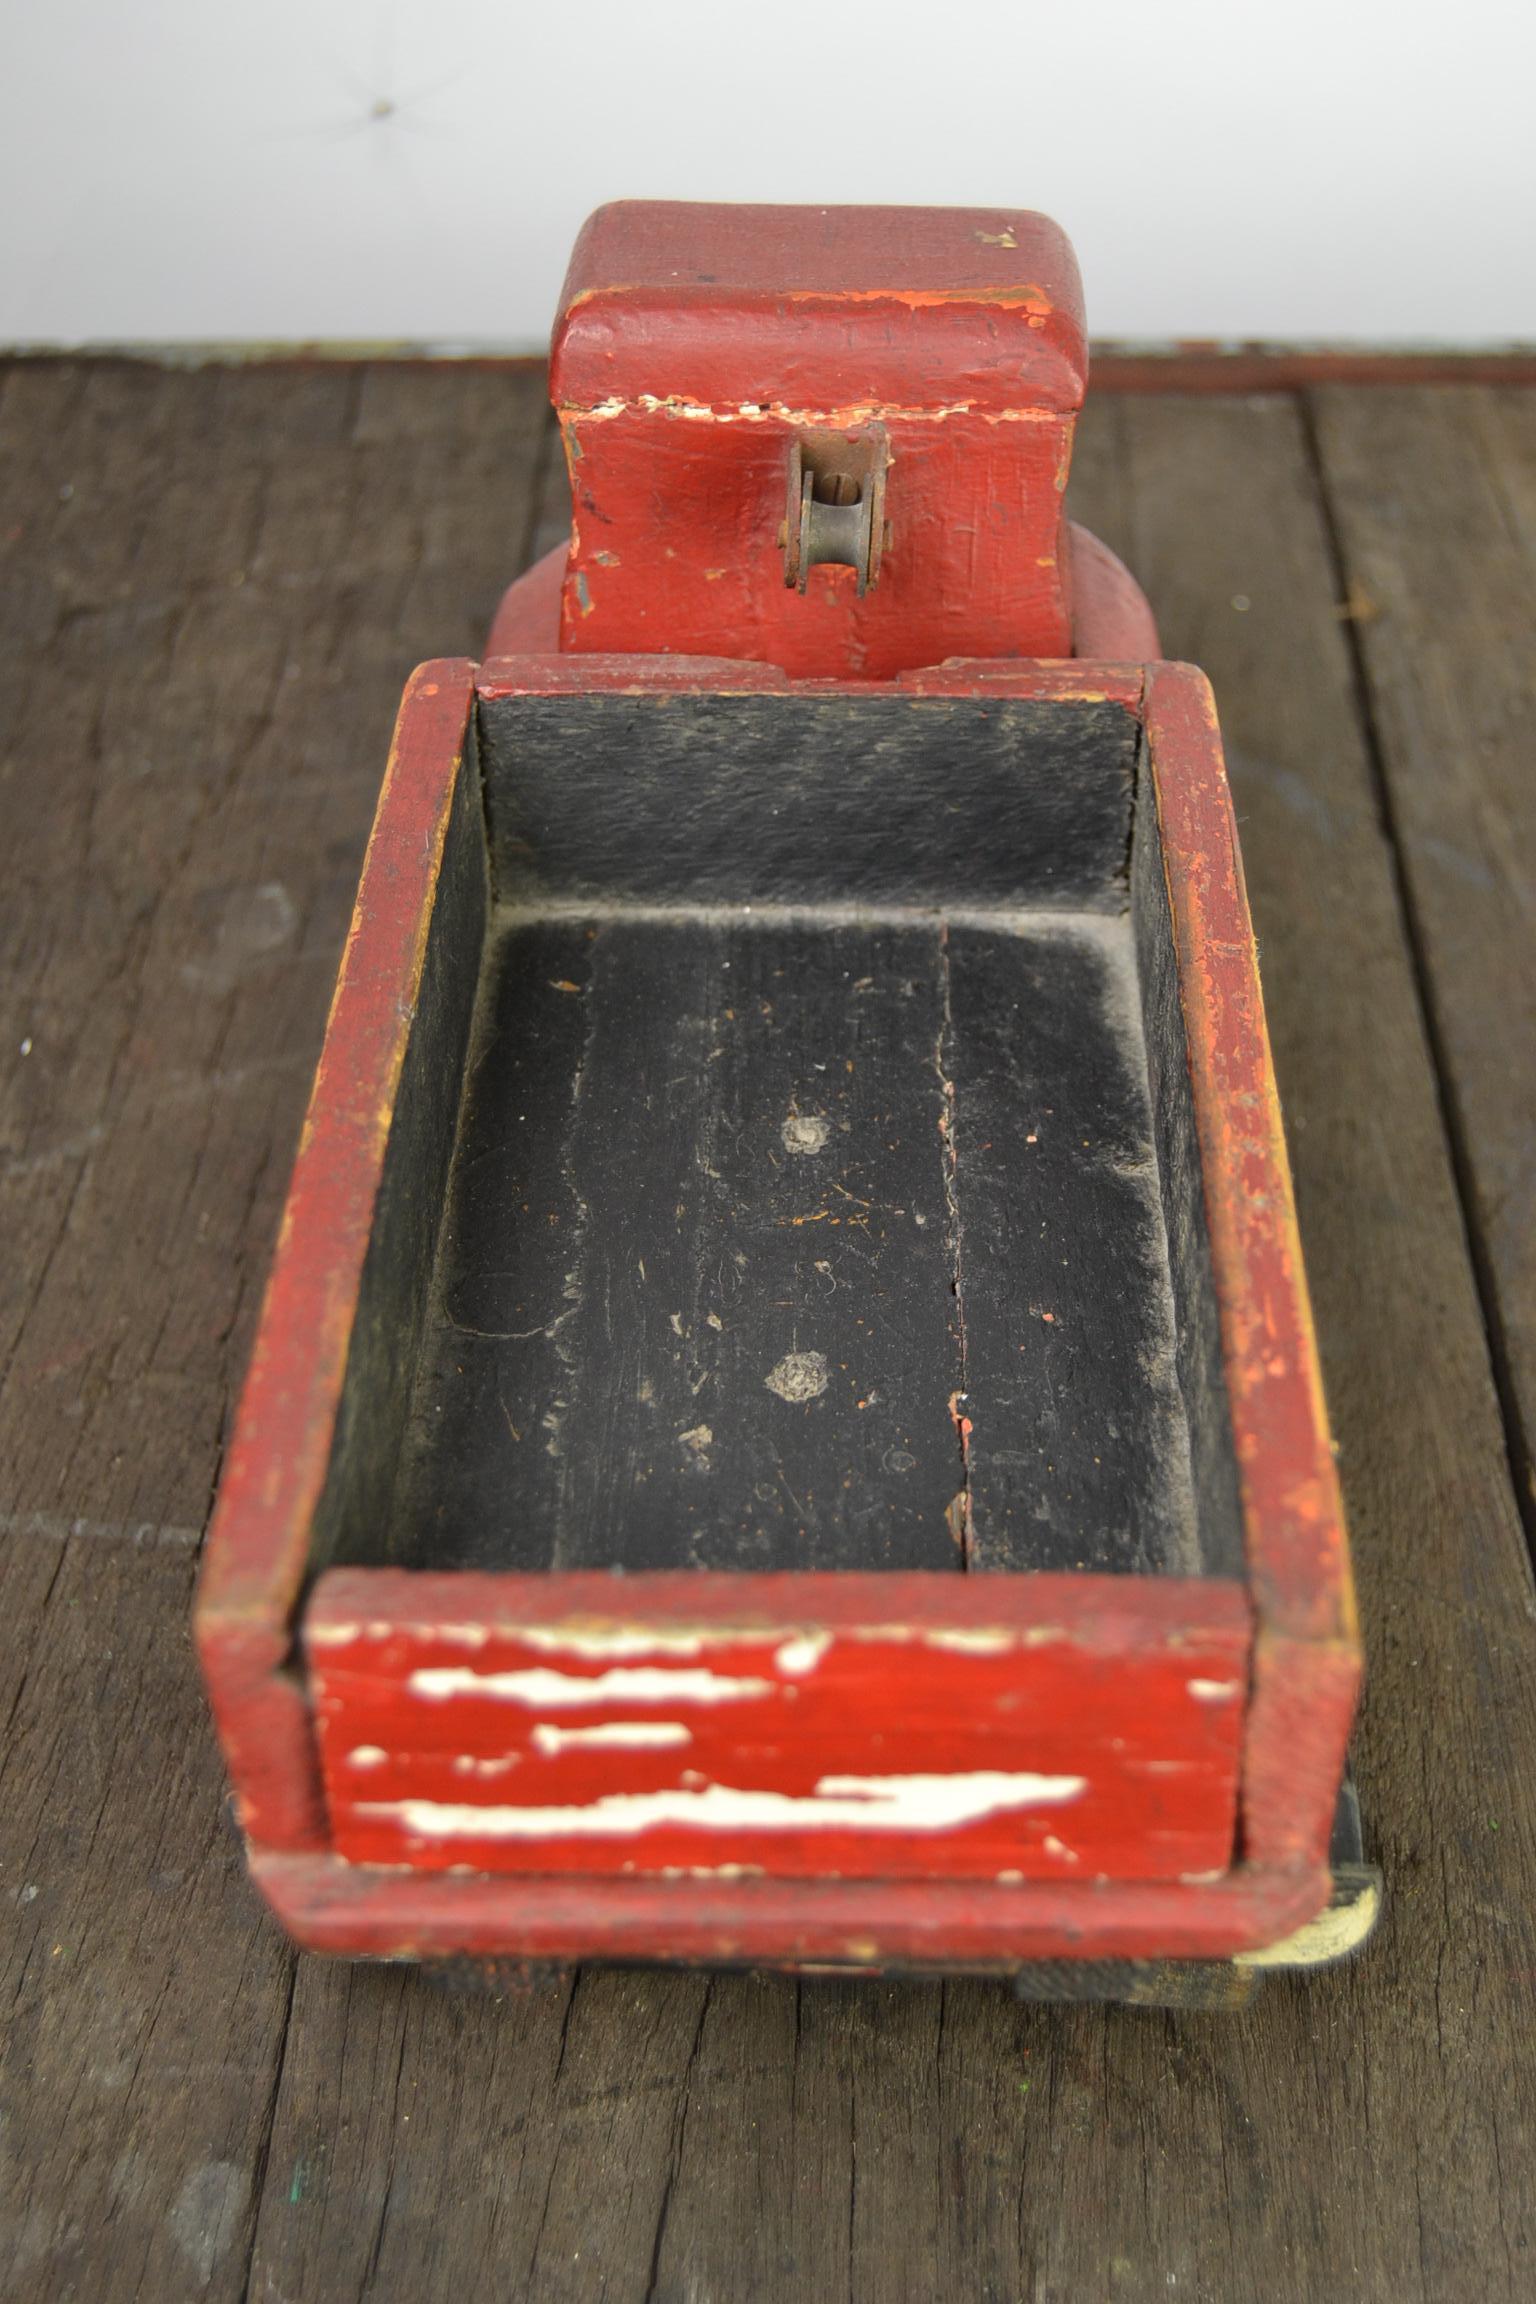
column 961, row 1520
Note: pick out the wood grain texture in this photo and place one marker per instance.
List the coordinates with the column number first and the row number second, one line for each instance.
column 693, row 1159
column 1181, row 1183
column 1306, row 1651
column 803, row 1243
column 1434, row 502
column 650, row 2136
column 1075, row 1435
column 906, row 1927
column 847, row 799
column 335, row 1349
column 1218, row 508
column 1197, row 366
column 858, row 1727
column 214, row 586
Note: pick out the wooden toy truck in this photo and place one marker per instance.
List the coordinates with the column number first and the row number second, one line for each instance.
column 785, row 1426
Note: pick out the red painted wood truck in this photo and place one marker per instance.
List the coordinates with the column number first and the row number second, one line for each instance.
column 785, row 1426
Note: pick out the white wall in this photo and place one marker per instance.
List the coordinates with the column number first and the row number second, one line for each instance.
column 215, row 169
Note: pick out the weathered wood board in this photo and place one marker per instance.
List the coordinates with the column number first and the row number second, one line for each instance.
column 200, row 573
column 706, row 1299
column 1433, row 498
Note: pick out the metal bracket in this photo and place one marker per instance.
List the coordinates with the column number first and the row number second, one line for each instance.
column 836, row 510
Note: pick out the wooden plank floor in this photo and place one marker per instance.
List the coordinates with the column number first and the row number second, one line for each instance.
column 212, row 585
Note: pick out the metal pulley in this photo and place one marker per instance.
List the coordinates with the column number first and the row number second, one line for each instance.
column 836, row 511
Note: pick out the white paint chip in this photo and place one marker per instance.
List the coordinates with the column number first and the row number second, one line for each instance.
column 610, row 1640
column 612, row 1735
column 802, row 1654
column 842, row 1803
column 1215, row 1691
column 346, row 1635
column 638, row 1684
column 798, row 1376
column 367, row 1756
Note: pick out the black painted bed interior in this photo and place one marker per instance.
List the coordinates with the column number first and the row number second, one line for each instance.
column 823, row 1190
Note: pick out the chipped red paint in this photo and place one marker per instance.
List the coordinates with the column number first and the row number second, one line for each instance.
column 818, row 307
column 1199, row 1818
column 366, row 1910
column 553, row 675
column 258, row 1545
column 1056, row 1727
column 1307, row 1654
column 696, row 565
column 1305, row 1661
column 1110, row 619
column 696, row 343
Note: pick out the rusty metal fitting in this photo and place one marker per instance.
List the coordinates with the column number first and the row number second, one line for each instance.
column 836, row 509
